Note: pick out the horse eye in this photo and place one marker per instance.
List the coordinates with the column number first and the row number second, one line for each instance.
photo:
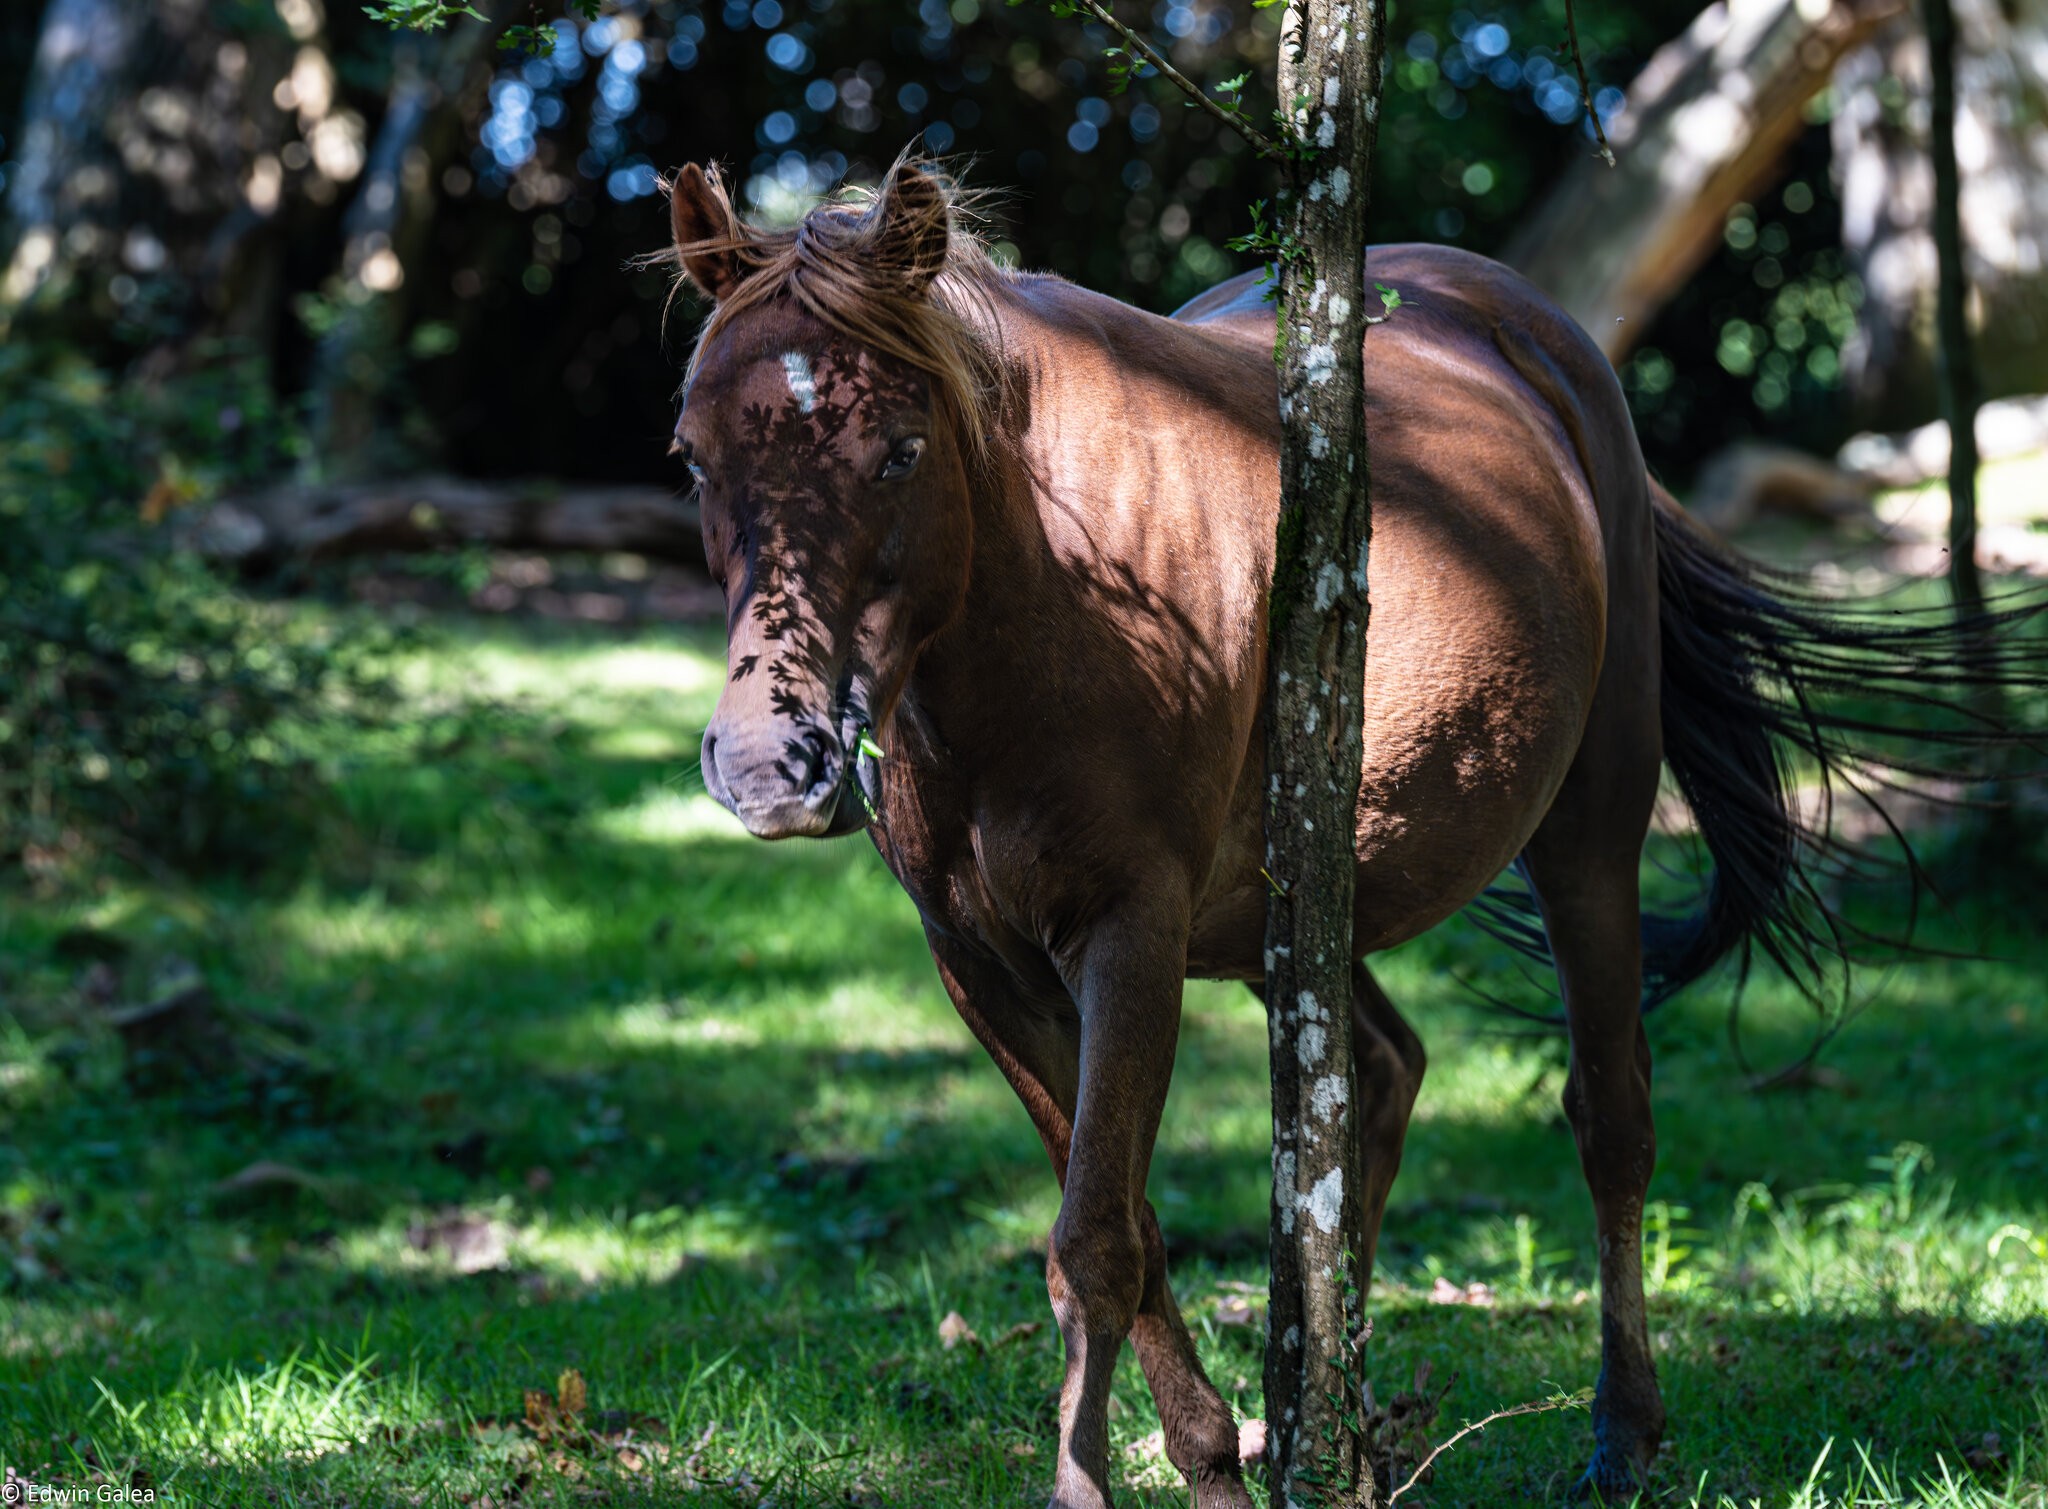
column 903, row 460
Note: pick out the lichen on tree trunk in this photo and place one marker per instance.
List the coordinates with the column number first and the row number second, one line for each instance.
column 1330, row 67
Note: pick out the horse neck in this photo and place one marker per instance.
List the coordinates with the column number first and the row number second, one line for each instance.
column 1004, row 563
column 1061, row 547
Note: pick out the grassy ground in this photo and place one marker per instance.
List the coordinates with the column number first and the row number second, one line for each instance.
column 592, row 1082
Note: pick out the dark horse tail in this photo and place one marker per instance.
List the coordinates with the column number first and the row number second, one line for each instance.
column 1779, row 701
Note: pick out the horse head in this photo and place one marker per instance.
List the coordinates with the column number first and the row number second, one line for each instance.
column 832, row 417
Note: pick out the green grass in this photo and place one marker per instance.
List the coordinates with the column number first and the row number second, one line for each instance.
column 704, row 1103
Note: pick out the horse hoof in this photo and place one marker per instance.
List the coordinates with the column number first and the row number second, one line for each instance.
column 1079, row 1495
column 1612, row 1478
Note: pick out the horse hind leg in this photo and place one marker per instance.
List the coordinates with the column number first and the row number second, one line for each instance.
column 1387, row 1068
column 1584, row 863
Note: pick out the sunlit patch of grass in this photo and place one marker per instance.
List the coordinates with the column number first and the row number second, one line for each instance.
column 688, row 665
column 643, row 743
column 1892, row 1244
column 669, row 815
column 1856, row 1479
column 542, row 1249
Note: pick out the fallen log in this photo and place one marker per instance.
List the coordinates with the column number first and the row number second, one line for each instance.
column 319, row 521
column 1741, row 481
column 1750, row 477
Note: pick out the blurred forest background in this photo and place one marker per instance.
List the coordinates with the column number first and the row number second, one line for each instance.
column 416, row 245
column 260, row 255
column 387, row 1026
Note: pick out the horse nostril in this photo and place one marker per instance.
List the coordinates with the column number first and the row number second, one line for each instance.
column 813, row 757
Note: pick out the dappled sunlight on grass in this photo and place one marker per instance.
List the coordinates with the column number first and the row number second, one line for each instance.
column 540, row 1248
column 297, row 1407
column 670, row 815
column 687, row 664
column 677, row 746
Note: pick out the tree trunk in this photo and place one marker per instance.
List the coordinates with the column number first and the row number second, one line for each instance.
column 1330, row 59
column 360, row 357
column 1884, row 161
column 1957, row 371
column 1706, row 126
column 131, row 199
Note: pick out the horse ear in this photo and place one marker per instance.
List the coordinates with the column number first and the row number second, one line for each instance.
column 914, row 216
column 704, row 219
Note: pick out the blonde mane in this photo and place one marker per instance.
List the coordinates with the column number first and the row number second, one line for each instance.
column 846, row 265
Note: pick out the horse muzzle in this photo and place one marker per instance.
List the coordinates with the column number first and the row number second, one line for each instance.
column 789, row 783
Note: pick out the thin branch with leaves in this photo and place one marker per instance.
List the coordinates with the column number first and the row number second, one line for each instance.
column 1133, row 45
column 536, row 38
column 1571, row 33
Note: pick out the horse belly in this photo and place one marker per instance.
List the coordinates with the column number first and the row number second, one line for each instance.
column 1463, row 758
column 1479, row 677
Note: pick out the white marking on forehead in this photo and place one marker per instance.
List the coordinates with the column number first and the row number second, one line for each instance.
column 797, row 368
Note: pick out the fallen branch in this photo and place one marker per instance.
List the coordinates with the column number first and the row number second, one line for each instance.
column 320, row 521
column 1708, row 123
column 1533, row 1407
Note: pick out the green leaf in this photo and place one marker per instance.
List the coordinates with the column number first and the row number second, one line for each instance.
column 1390, row 298
column 538, row 41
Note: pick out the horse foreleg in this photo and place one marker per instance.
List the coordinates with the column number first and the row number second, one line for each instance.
column 1040, row 1056
column 1125, row 976
column 1201, row 1434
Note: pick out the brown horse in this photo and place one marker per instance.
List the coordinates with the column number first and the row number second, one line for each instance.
column 1018, row 537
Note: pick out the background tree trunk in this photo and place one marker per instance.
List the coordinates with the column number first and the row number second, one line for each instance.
column 360, row 356
column 135, row 193
column 1957, row 366
column 1706, row 126
column 1882, row 146
column 1330, row 58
